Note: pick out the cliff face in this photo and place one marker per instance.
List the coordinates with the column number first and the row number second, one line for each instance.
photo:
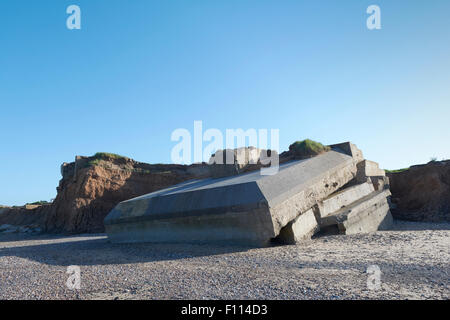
column 23, row 217
column 422, row 193
column 92, row 186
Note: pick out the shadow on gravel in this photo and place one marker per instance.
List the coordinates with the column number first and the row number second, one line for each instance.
column 16, row 237
column 403, row 225
column 60, row 250
column 65, row 251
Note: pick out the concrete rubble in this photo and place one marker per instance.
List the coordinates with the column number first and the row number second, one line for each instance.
column 231, row 162
column 335, row 191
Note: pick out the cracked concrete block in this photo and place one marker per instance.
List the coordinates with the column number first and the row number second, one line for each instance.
column 367, row 169
column 343, row 198
column 380, row 182
column 369, row 214
column 300, row 229
column 377, row 218
column 230, row 162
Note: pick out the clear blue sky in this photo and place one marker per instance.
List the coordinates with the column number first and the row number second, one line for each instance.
column 137, row 70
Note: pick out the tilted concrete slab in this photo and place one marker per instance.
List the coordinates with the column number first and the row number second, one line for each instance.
column 369, row 168
column 300, row 229
column 378, row 218
column 246, row 209
column 368, row 214
column 350, row 149
column 343, row 198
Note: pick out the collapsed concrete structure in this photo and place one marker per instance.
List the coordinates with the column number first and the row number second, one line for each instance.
column 324, row 192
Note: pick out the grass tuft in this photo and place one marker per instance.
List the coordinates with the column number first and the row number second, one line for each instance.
column 38, row 203
column 107, row 156
column 396, row 171
column 97, row 158
column 307, row 148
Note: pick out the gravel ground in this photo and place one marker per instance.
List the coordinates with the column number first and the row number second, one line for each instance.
column 414, row 260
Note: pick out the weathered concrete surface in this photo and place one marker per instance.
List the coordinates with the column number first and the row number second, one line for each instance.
column 231, row 162
column 305, row 183
column 380, row 182
column 344, row 198
column 300, row 229
column 367, row 168
column 350, row 149
column 249, row 208
column 377, row 218
column 369, row 214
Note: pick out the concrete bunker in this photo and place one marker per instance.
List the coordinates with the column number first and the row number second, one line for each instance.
column 251, row 209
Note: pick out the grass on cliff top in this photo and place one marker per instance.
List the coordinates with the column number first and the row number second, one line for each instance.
column 308, row 148
column 396, row 171
column 38, row 203
column 99, row 156
column 106, row 155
